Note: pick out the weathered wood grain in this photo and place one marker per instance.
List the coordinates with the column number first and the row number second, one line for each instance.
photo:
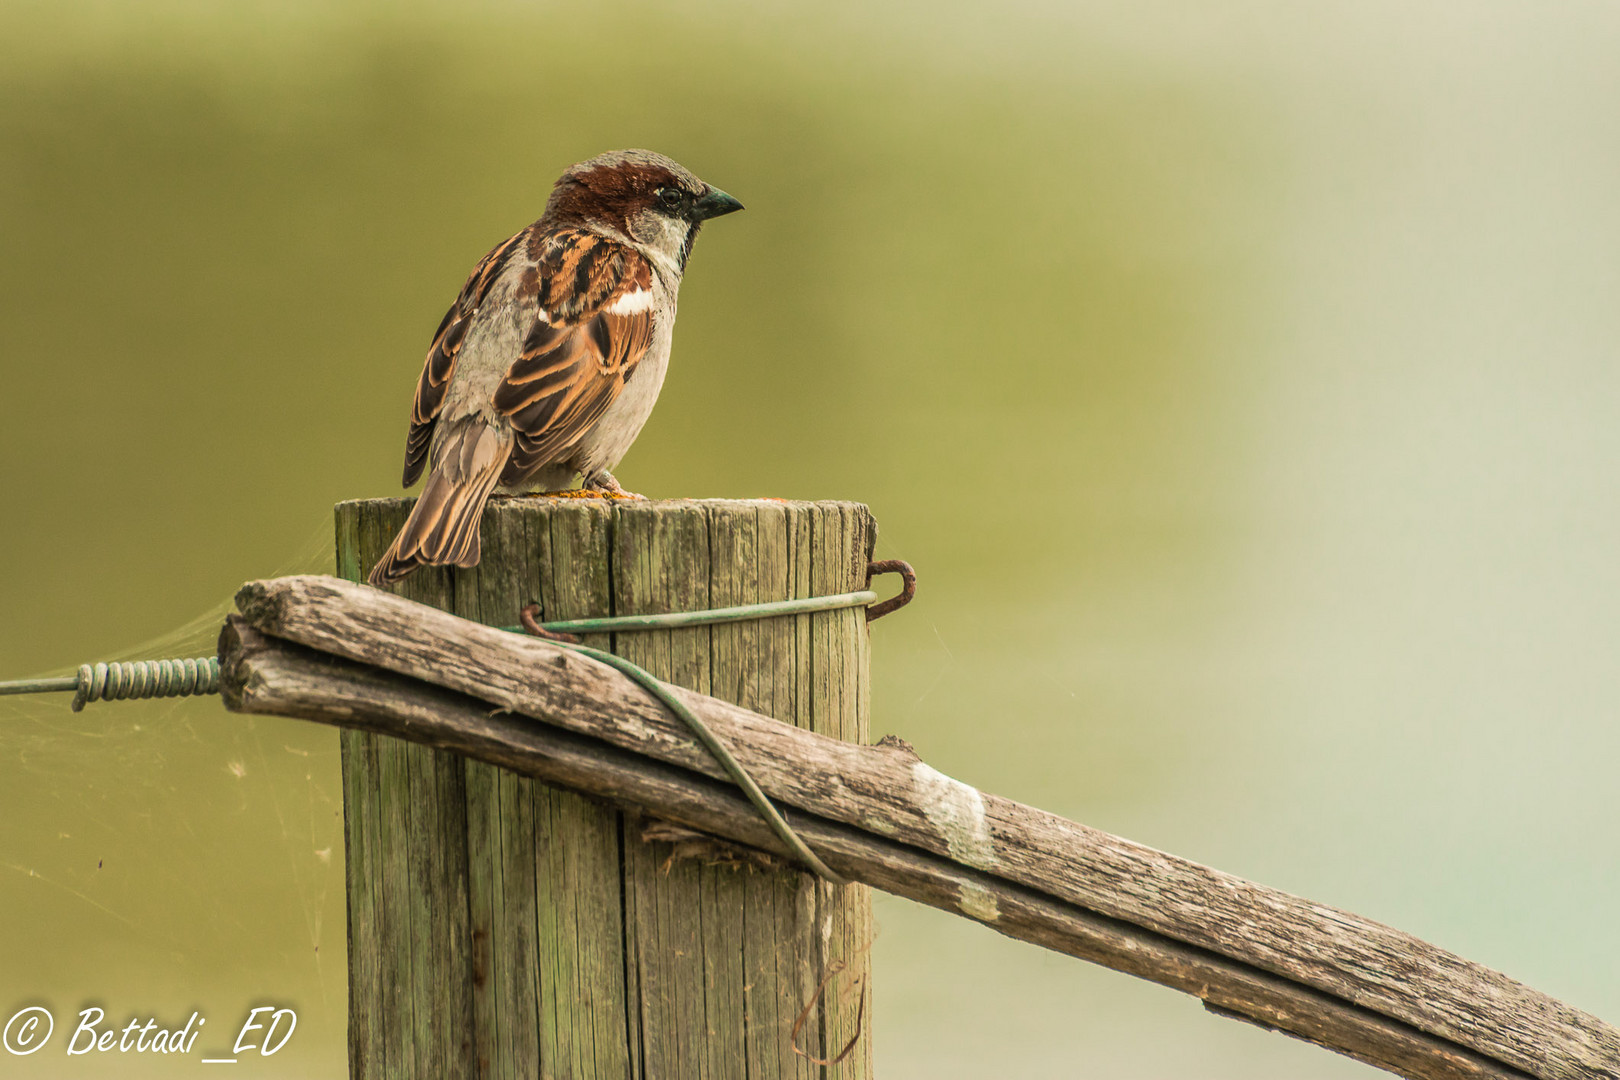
column 413, row 1009
column 265, row 674
column 724, row 960
column 1381, row 995
column 589, row 952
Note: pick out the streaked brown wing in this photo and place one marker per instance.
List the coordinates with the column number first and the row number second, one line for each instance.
column 441, row 357
column 579, row 354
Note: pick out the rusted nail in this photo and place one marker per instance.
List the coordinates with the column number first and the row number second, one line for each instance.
column 529, row 618
column 908, row 588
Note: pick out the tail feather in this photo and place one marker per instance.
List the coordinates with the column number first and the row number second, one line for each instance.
column 442, row 529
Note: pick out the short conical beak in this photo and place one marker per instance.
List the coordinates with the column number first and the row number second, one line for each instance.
column 714, row 204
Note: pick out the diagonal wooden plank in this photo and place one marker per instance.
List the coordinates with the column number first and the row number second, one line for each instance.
column 889, row 791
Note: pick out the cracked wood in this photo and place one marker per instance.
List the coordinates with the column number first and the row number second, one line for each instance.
column 1378, row 994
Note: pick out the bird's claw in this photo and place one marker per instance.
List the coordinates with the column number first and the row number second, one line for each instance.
column 585, row 493
column 607, row 487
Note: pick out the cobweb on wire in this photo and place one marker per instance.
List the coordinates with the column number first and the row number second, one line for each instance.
column 172, row 829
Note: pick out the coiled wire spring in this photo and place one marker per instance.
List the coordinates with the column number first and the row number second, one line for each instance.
column 146, row 679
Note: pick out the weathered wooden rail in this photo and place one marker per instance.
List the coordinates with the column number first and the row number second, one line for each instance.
column 333, row 652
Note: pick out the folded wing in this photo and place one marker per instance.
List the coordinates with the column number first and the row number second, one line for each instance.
column 441, row 357
column 593, row 324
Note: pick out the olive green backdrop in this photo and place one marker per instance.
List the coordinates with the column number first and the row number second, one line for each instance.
column 1240, row 377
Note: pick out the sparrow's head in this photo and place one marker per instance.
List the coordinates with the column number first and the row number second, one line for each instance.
column 643, row 195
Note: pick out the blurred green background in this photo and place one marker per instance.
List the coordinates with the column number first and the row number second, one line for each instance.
column 1241, row 378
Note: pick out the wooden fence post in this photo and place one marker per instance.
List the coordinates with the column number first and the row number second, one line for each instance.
column 499, row 927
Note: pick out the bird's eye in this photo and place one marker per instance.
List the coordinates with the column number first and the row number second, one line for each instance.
column 670, row 198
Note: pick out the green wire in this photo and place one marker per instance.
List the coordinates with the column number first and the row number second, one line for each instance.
column 175, row 678
column 145, row 673
column 128, row 679
column 721, row 752
column 663, row 692
column 742, row 613
column 39, row 686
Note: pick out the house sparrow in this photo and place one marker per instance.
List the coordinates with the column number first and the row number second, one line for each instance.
column 550, row 360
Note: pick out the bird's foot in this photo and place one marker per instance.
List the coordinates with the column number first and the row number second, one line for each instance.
column 604, row 486
column 600, row 486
